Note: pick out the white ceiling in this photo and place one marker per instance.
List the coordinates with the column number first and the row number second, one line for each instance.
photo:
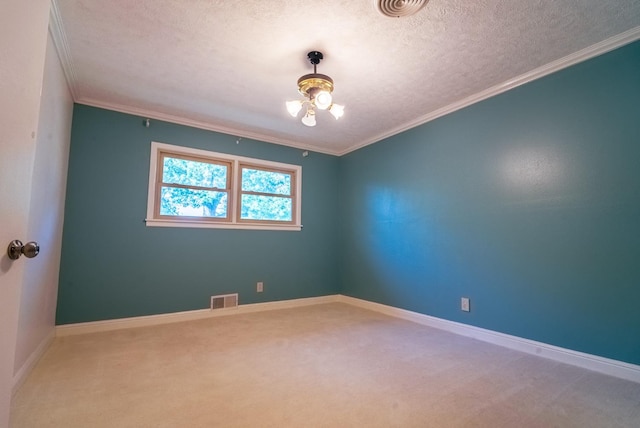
column 231, row 65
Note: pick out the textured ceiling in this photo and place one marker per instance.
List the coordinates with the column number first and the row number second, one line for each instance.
column 230, row 66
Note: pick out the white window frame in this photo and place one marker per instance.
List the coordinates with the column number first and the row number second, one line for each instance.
column 234, row 221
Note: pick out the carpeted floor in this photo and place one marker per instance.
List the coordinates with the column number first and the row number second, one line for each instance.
column 330, row 365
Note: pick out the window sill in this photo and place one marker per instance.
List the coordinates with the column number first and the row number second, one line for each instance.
column 211, row 225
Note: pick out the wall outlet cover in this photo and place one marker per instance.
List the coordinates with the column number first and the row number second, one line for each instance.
column 464, row 304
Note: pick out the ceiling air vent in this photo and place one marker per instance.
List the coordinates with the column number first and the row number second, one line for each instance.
column 399, row 8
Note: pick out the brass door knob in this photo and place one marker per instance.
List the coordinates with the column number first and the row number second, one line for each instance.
column 16, row 249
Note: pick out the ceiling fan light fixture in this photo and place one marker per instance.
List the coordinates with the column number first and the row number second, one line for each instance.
column 317, row 91
column 323, row 100
column 294, row 107
column 337, row 111
column 309, row 119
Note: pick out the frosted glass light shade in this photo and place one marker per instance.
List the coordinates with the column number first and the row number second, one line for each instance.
column 323, row 100
column 336, row 110
column 294, row 107
column 309, row 119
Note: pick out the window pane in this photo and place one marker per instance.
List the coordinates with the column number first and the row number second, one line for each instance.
column 257, row 207
column 193, row 173
column 195, row 203
column 257, row 180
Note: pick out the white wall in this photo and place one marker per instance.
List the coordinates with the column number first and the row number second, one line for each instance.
column 40, row 284
column 23, row 38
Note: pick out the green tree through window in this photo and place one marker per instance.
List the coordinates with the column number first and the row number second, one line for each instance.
column 266, row 195
column 185, row 190
column 197, row 188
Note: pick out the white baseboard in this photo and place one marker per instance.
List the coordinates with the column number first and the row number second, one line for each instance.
column 607, row 366
column 21, row 375
column 150, row 320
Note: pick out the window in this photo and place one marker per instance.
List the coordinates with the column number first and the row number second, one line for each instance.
column 197, row 188
column 192, row 187
column 265, row 195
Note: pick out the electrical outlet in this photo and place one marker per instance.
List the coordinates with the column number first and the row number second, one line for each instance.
column 464, row 304
column 260, row 287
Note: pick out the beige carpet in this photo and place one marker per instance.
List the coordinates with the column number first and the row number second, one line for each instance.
column 329, row 365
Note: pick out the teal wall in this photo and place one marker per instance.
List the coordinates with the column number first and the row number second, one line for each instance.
column 528, row 203
column 113, row 266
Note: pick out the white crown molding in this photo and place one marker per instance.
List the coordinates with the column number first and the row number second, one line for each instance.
column 151, row 320
column 62, row 48
column 21, row 375
column 59, row 37
column 60, row 41
column 200, row 124
column 592, row 51
column 607, row 366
